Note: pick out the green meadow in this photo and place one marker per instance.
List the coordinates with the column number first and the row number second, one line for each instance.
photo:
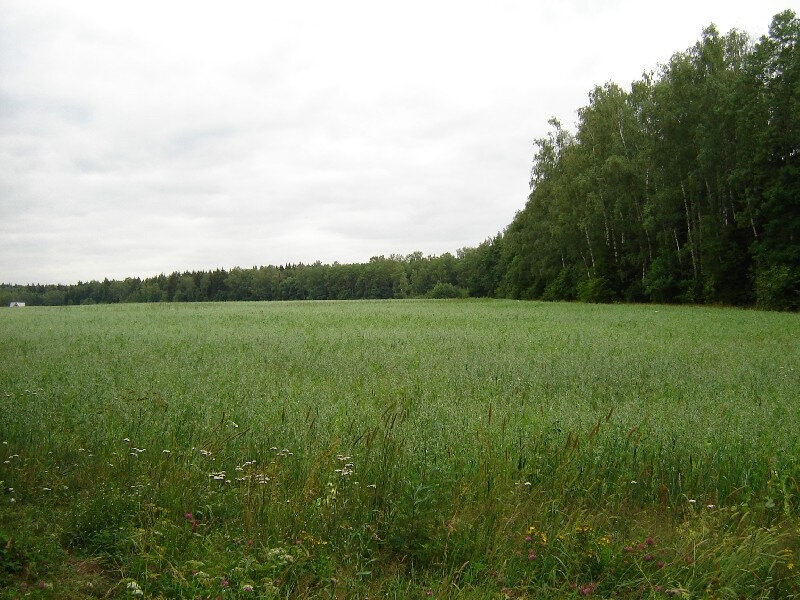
column 399, row 449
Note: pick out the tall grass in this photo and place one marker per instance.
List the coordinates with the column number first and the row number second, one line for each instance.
column 400, row 448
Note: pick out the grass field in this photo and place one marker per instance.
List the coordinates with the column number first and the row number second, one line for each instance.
column 403, row 449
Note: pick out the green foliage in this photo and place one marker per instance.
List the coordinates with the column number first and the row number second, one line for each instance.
column 778, row 287
column 562, row 287
column 447, row 290
column 594, row 289
column 103, row 525
column 13, row 559
column 672, row 191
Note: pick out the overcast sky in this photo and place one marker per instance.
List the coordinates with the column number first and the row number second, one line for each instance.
column 146, row 137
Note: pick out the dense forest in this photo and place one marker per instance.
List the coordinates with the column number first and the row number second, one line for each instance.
column 684, row 189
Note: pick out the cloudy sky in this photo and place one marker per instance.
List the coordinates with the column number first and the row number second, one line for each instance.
column 146, row 137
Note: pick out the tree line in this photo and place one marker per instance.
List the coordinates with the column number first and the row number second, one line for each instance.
column 686, row 188
column 394, row 277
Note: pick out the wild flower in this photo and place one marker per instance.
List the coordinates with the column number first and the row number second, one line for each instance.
column 346, row 471
column 134, row 589
column 587, row 589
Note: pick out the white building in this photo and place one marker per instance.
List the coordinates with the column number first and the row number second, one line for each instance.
column 16, row 304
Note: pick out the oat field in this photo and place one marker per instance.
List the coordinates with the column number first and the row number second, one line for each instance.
column 399, row 449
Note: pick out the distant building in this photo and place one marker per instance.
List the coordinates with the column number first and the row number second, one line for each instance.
column 16, row 304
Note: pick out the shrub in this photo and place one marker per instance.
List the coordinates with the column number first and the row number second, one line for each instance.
column 562, row 287
column 595, row 289
column 447, row 290
column 778, row 288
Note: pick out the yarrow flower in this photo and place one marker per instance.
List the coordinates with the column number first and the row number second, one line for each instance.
column 134, row 589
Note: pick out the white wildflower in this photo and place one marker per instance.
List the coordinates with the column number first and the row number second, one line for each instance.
column 134, row 589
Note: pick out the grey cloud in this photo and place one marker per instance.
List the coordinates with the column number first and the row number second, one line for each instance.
column 144, row 138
